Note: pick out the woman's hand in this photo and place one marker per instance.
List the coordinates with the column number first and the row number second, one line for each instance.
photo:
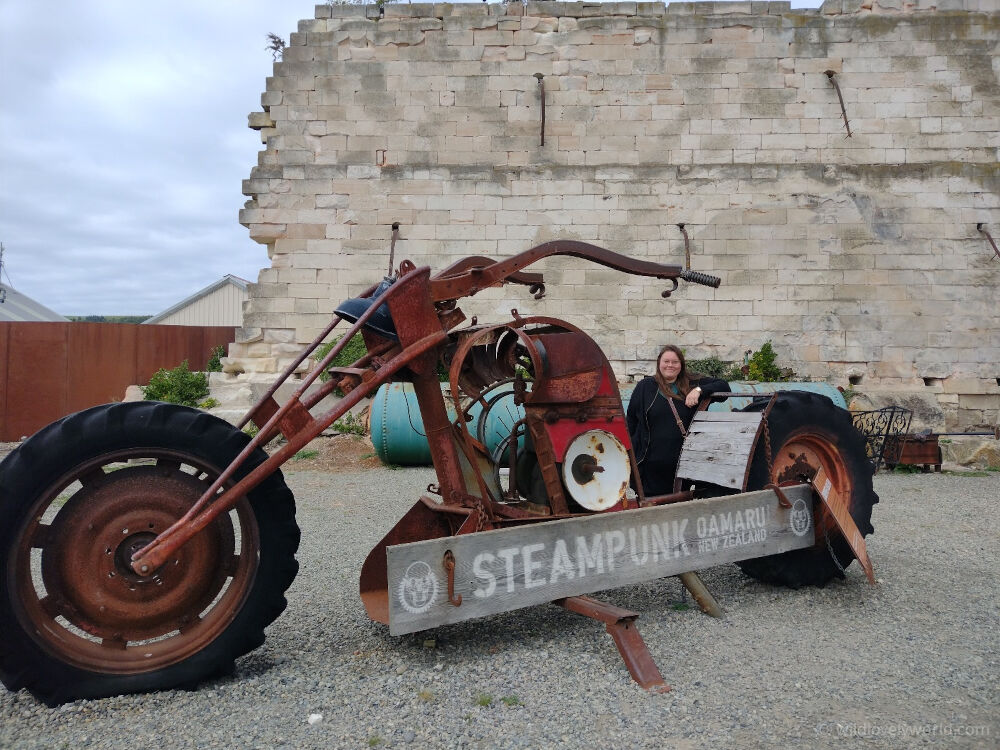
column 694, row 396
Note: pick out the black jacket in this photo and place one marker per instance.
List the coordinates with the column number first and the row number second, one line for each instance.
column 637, row 420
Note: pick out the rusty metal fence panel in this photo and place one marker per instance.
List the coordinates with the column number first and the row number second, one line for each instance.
column 49, row 370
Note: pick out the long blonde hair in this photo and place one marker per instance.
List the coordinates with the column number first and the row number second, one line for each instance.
column 683, row 381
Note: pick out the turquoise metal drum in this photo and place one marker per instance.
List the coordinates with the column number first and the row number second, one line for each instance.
column 736, row 386
column 397, row 427
column 398, row 430
column 502, row 414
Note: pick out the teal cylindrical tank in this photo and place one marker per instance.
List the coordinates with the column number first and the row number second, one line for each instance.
column 737, row 386
column 398, row 430
column 500, row 420
column 734, row 404
column 397, row 427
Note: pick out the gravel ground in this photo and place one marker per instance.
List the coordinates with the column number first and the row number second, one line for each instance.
column 912, row 663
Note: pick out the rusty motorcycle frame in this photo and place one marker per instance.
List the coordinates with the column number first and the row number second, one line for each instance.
column 146, row 576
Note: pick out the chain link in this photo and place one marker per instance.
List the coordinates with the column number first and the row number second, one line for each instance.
column 480, row 515
column 767, row 449
column 829, row 547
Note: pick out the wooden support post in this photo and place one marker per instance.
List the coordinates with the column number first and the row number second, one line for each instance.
column 693, row 583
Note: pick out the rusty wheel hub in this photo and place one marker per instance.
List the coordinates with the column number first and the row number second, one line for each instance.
column 798, row 460
column 80, row 594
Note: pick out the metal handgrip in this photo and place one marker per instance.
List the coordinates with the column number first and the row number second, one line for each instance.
column 701, row 278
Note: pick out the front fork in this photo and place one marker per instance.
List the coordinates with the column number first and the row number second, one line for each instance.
column 298, row 425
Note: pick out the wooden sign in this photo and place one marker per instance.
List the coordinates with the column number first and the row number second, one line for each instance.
column 497, row 571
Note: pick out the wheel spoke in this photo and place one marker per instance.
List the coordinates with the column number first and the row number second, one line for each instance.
column 50, row 606
column 41, row 537
column 188, row 624
column 168, row 465
column 94, row 475
column 230, row 566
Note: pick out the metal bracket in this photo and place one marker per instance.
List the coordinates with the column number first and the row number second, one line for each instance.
column 449, row 566
column 620, row 624
column 783, row 500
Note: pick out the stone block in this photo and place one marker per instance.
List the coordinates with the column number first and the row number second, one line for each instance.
column 973, row 452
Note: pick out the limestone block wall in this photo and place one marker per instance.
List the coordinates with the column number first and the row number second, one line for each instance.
column 858, row 257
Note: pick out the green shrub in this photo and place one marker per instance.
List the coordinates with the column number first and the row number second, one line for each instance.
column 762, row 366
column 177, row 386
column 716, row 368
column 349, row 424
column 215, row 361
column 208, row 403
column 350, row 354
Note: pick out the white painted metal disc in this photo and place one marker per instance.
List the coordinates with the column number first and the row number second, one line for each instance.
column 597, row 490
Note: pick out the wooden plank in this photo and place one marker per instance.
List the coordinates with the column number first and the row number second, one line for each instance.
column 837, row 503
column 727, row 416
column 714, row 442
column 724, row 475
column 725, row 427
column 717, row 456
column 497, row 571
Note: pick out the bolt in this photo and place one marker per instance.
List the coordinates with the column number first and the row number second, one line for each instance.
column 144, row 569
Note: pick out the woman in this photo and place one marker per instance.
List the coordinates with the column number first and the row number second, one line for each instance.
column 659, row 412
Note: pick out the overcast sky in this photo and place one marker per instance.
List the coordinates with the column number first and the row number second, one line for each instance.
column 123, row 143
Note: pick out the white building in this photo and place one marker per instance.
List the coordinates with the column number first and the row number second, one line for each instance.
column 218, row 304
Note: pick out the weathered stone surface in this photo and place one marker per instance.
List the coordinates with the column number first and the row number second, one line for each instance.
column 975, row 452
column 133, row 393
column 927, row 412
column 718, row 115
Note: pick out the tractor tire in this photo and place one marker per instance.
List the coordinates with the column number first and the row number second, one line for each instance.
column 809, row 431
column 78, row 498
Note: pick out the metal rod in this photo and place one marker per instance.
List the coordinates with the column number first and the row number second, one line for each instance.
column 392, row 246
column 687, row 247
column 202, row 513
column 271, row 425
column 830, row 74
column 541, row 94
column 982, row 228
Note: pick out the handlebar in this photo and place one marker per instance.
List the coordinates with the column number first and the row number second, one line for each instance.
column 701, row 278
column 471, row 275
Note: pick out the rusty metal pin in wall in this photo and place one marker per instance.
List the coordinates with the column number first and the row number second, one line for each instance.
column 687, row 247
column 541, row 96
column 392, row 245
column 982, row 229
column 843, row 110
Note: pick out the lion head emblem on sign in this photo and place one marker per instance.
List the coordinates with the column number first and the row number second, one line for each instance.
column 418, row 588
column 799, row 517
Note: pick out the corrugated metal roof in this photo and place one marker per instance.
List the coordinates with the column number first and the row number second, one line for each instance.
column 227, row 279
column 17, row 308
